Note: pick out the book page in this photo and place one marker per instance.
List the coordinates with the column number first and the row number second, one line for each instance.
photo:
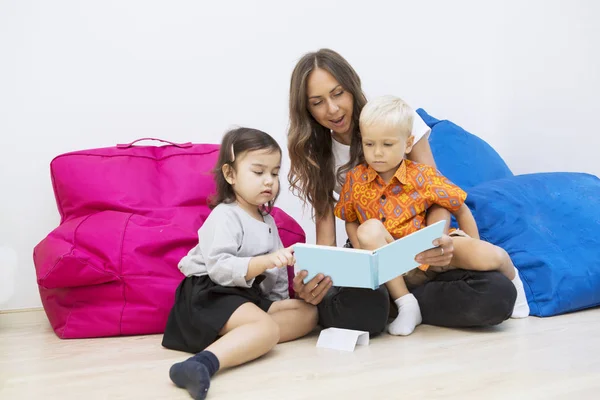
column 348, row 267
column 398, row 257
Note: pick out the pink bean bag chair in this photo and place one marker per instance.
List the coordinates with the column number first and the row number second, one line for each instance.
column 128, row 215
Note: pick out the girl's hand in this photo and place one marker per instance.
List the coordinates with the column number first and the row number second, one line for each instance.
column 282, row 258
column 439, row 256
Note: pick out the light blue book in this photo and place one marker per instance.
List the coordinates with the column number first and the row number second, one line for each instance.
column 364, row 268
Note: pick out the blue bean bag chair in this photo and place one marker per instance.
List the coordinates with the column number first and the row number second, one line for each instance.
column 549, row 223
column 461, row 156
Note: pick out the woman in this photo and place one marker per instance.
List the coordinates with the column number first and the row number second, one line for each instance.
column 326, row 99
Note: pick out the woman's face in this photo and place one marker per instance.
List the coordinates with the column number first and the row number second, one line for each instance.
column 328, row 102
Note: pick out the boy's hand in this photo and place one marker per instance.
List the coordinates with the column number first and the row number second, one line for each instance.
column 282, row 258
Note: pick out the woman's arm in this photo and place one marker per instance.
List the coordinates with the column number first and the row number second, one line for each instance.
column 466, row 221
column 326, row 229
column 352, row 231
column 314, row 291
column 421, row 153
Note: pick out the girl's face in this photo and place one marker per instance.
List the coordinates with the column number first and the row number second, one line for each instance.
column 329, row 103
column 254, row 178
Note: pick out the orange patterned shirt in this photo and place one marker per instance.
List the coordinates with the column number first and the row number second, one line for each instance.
column 401, row 204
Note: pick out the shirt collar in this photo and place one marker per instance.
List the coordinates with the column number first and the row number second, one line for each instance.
column 400, row 174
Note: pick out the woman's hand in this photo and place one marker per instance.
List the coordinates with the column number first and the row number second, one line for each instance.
column 314, row 291
column 439, row 256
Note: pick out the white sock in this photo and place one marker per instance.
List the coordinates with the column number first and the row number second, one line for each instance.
column 409, row 316
column 521, row 309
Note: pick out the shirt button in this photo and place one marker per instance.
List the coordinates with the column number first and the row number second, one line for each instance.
column 382, row 219
column 383, row 197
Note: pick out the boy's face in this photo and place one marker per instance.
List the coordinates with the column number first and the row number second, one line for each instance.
column 384, row 148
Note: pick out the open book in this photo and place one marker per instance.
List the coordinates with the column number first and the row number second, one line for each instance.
column 364, row 268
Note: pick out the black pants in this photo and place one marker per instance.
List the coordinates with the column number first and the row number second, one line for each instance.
column 456, row 298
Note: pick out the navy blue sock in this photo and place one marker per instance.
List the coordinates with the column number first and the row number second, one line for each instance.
column 210, row 361
column 194, row 373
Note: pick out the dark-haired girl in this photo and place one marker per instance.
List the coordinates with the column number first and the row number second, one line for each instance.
column 233, row 306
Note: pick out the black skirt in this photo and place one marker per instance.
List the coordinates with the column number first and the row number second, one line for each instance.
column 201, row 310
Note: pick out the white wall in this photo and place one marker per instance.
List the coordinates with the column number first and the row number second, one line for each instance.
column 75, row 75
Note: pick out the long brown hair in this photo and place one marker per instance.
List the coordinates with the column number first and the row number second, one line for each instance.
column 234, row 144
column 312, row 176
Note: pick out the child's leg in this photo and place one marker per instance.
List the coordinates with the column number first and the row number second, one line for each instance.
column 295, row 318
column 477, row 255
column 409, row 312
column 372, row 235
column 248, row 334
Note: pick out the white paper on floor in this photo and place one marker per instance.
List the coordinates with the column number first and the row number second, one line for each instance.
column 342, row 339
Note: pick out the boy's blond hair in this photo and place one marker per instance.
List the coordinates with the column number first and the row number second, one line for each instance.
column 390, row 111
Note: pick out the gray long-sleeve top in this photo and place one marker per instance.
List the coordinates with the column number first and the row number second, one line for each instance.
column 228, row 239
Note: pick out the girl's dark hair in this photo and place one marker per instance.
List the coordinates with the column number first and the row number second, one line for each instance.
column 312, row 176
column 234, row 144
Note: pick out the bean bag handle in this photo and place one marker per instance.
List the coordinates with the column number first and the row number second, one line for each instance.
column 128, row 145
